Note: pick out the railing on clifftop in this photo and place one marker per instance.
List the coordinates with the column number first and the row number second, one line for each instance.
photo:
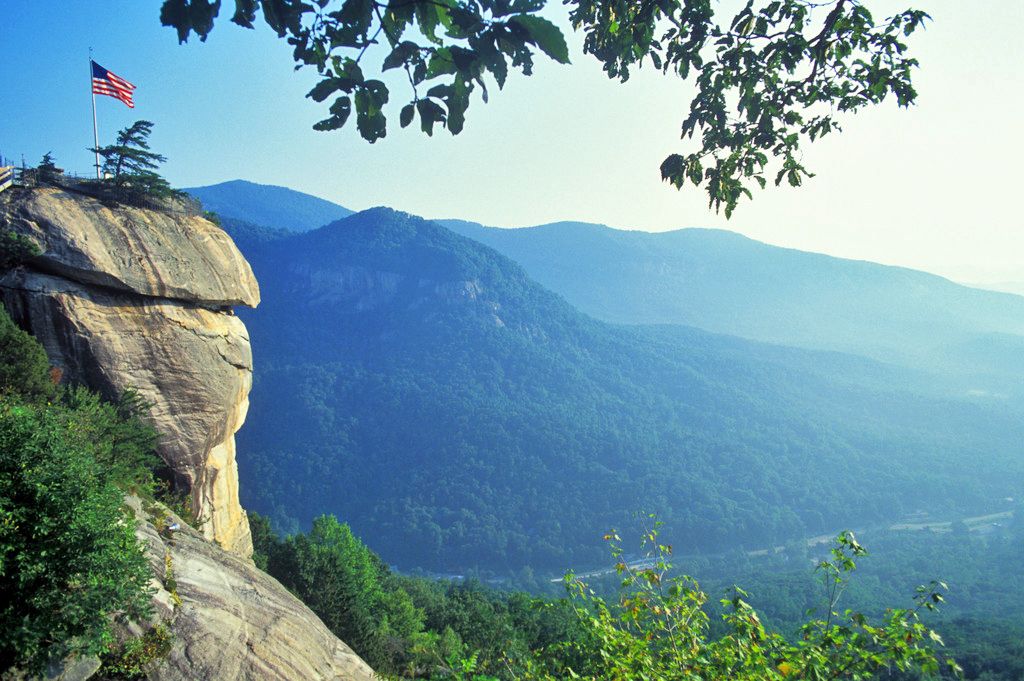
column 107, row 192
column 6, row 177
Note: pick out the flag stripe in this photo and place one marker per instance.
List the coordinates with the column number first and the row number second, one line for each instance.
column 106, row 88
column 106, row 83
column 117, row 80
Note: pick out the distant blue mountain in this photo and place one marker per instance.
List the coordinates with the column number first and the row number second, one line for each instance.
column 724, row 282
column 721, row 282
column 268, row 205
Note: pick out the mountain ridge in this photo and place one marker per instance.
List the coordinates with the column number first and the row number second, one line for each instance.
column 728, row 283
column 268, row 205
column 524, row 429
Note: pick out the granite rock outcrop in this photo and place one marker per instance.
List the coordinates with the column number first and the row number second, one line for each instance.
column 230, row 620
column 130, row 298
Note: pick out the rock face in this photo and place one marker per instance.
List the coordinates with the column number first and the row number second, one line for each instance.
column 131, row 298
column 152, row 253
column 230, row 620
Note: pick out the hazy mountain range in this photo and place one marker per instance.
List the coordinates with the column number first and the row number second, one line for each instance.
column 715, row 280
column 426, row 389
column 727, row 283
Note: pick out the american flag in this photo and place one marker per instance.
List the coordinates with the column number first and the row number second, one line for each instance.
column 106, row 83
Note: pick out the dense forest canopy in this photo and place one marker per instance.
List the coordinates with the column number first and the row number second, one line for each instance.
column 524, row 429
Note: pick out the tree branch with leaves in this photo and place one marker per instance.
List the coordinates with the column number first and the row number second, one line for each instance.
column 776, row 75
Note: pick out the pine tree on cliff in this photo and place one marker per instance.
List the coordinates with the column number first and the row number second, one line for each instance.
column 130, row 166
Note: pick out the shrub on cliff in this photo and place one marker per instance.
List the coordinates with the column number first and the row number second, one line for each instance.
column 14, row 250
column 67, row 546
column 130, row 166
column 24, row 368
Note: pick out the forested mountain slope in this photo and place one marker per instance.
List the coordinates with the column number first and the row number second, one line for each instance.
column 457, row 414
column 724, row 282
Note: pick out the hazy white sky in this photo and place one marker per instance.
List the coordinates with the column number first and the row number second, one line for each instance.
column 934, row 187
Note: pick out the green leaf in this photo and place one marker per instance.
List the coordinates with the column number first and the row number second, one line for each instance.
column 202, row 14
column 245, row 12
column 324, row 89
column 440, row 91
column 544, row 35
column 340, row 110
column 427, row 15
column 405, row 118
column 400, row 55
column 174, row 13
column 430, row 113
column 457, row 102
column 280, row 14
column 370, row 120
column 441, row 63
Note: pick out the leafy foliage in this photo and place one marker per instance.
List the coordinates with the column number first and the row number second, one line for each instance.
column 67, row 546
column 24, row 367
column 343, row 582
column 773, row 76
column 15, row 249
column 339, row 579
column 124, row 444
column 407, row 626
column 658, row 630
column 132, row 658
column 980, row 619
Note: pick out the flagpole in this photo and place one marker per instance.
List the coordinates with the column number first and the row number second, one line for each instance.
column 95, row 129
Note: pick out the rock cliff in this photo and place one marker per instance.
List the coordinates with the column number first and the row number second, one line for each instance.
column 131, row 298
column 231, row 621
column 125, row 298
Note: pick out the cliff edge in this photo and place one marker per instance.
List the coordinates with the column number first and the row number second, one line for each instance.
column 126, row 297
column 230, row 620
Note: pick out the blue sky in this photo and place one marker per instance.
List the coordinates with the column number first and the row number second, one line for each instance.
column 933, row 188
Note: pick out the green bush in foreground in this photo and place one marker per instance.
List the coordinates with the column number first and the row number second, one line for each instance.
column 69, row 560
column 67, row 546
column 24, row 368
column 658, row 632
